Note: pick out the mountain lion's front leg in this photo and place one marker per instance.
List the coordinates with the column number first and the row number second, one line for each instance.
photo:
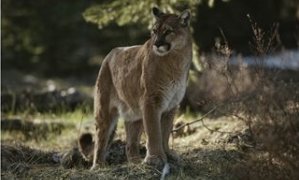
column 166, row 126
column 152, row 125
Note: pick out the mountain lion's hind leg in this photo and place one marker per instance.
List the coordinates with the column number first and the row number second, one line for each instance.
column 133, row 133
column 104, row 116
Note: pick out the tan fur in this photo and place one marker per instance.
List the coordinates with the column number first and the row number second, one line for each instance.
column 144, row 87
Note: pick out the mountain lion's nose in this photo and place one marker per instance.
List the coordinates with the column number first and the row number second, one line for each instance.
column 159, row 43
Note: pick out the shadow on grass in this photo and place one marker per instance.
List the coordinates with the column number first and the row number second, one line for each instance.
column 200, row 163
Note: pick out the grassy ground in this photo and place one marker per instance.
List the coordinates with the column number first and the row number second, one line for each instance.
column 206, row 154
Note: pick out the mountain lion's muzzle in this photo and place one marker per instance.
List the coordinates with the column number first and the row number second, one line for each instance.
column 161, row 47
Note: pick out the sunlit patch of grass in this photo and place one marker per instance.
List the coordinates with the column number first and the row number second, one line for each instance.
column 76, row 116
column 54, row 139
column 44, row 141
column 204, row 137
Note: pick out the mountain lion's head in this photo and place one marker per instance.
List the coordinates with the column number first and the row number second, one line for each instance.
column 170, row 32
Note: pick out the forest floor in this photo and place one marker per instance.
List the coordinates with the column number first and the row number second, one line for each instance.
column 43, row 146
column 220, row 148
column 38, row 154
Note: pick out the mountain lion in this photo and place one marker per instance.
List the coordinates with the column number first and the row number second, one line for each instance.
column 144, row 84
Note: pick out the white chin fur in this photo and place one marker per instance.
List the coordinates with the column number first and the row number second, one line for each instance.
column 161, row 51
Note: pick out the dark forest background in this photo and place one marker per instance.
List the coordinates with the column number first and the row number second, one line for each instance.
column 51, row 38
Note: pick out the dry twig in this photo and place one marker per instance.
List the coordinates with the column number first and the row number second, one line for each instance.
column 192, row 122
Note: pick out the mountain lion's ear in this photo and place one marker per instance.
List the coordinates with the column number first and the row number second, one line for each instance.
column 157, row 12
column 185, row 17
